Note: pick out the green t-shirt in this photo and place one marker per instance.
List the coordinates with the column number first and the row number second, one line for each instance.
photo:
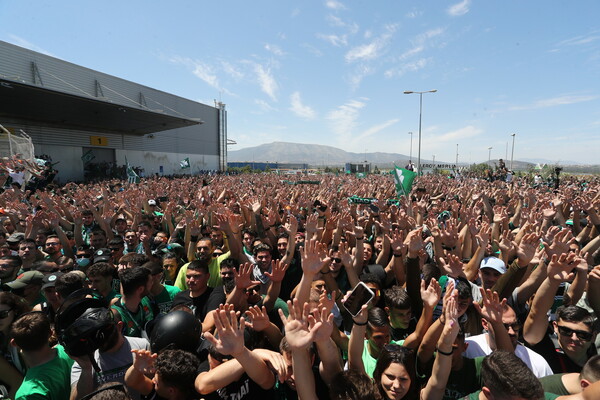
column 369, row 361
column 214, row 268
column 554, row 384
column 135, row 323
column 164, row 301
column 51, row 380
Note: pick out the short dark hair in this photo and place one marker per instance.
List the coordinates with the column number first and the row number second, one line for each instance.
column 101, row 269
column 371, row 278
column 154, row 267
column 178, row 368
column 377, row 318
column 464, row 288
column 68, row 283
column 591, row 369
column 31, row 331
column 260, row 248
column 506, row 375
column 132, row 278
column 135, row 259
column 396, row 297
column 198, row 265
column 230, row 263
column 352, row 385
column 575, row 314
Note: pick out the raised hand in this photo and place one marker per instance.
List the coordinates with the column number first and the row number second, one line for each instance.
column 560, row 267
column 259, row 320
column 297, row 332
column 311, row 260
column 431, row 294
column 492, row 306
column 230, row 333
column 144, row 361
column 278, row 271
column 527, row 248
column 452, row 267
column 414, row 242
column 323, row 320
column 243, row 276
column 327, row 302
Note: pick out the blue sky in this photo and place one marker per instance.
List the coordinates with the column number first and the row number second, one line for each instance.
column 333, row 72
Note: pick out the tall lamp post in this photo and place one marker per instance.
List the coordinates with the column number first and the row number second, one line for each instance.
column 456, row 155
column 410, row 133
column 420, row 118
column 490, row 153
column 512, row 153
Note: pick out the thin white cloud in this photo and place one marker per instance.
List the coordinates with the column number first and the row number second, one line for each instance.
column 203, row 71
column 462, row 133
column 267, row 82
column 458, row 9
column 579, row 40
column 554, row 101
column 300, row 109
column 336, row 21
column 371, row 50
column 409, row 67
column 232, row 70
column 335, row 5
column 274, row 49
column 312, row 49
column 375, row 129
column 335, row 40
column 413, row 14
column 359, row 74
column 19, row 41
column 343, row 119
column 264, row 106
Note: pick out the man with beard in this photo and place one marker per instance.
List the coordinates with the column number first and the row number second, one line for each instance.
column 200, row 297
column 133, row 308
column 113, row 357
column 160, row 295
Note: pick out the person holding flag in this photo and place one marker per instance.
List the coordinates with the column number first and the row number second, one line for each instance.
column 403, row 178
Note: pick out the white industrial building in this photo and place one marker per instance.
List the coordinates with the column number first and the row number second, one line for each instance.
column 77, row 115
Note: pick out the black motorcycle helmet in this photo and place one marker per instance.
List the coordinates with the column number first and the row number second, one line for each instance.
column 84, row 326
column 176, row 330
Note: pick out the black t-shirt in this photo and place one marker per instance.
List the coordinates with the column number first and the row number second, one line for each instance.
column 556, row 358
column 203, row 304
column 242, row 389
column 401, row 334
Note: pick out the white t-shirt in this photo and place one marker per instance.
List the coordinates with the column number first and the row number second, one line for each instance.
column 478, row 346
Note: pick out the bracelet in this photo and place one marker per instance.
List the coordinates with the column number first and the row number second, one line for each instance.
column 360, row 238
column 193, row 238
column 443, row 353
column 361, row 324
column 397, row 255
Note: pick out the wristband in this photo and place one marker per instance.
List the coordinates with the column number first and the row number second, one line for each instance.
column 397, row 255
column 194, row 238
column 360, row 324
column 443, row 353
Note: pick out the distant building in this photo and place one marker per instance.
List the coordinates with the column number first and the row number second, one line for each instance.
column 81, row 117
column 358, row 167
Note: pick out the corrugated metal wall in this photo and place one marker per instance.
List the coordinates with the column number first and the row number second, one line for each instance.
column 17, row 63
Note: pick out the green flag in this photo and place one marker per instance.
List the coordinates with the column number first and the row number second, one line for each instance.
column 132, row 177
column 185, row 163
column 87, row 157
column 403, row 178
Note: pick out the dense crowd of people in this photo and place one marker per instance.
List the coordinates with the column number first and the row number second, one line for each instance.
column 237, row 287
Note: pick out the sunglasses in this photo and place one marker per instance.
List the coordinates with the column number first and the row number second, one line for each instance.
column 583, row 335
column 4, row 313
column 337, row 260
column 516, row 326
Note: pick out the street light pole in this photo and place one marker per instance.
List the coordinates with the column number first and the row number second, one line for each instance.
column 512, row 154
column 489, row 154
column 420, row 119
column 456, row 155
column 410, row 133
